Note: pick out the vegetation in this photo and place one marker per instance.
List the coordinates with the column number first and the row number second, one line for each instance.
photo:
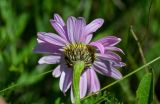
column 136, row 22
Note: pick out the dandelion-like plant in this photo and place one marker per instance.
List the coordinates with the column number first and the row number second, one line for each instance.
column 79, row 59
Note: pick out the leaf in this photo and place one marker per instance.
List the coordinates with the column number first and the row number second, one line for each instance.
column 32, row 77
column 6, row 10
column 102, row 98
column 21, row 24
column 154, row 51
column 87, row 9
column 57, row 101
column 145, row 92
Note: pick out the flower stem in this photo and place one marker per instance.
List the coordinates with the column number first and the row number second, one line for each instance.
column 78, row 68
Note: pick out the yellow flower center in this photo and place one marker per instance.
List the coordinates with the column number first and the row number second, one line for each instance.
column 79, row 52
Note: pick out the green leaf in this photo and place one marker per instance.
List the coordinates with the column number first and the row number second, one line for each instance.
column 87, row 9
column 57, row 101
column 102, row 98
column 31, row 77
column 145, row 92
column 21, row 24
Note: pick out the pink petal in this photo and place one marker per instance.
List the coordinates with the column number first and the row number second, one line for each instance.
column 115, row 74
column 88, row 38
column 40, row 41
column 102, row 67
column 116, row 56
column 83, row 84
column 52, row 38
column 71, row 23
column 56, row 72
column 93, row 82
column 93, row 26
column 58, row 18
column 97, row 69
column 118, row 64
column 112, row 48
column 99, row 46
column 109, row 57
column 45, row 47
column 65, row 79
column 49, row 59
column 60, row 30
column 78, row 35
column 109, row 40
column 72, row 96
column 105, row 68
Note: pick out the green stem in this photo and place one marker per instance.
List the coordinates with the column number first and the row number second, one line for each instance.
column 77, row 70
column 140, row 48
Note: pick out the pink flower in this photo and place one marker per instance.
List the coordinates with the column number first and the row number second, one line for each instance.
column 73, row 43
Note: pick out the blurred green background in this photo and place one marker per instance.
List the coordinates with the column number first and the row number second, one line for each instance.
column 20, row 20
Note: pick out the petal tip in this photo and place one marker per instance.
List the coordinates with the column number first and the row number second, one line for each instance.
column 119, row 39
column 119, row 76
column 40, row 34
column 52, row 21
column 54, row 75
column 41, row 61
column 72, row 18
column 56, row 14
column 100, row 21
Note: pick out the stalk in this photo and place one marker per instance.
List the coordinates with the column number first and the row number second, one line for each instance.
column 78, row 67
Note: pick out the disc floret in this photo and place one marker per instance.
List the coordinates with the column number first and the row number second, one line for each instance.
column 79, row 52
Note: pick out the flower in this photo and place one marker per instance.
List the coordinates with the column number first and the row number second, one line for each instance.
column 73, row 43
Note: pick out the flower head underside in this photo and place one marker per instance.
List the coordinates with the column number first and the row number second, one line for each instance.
column 73, row 43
